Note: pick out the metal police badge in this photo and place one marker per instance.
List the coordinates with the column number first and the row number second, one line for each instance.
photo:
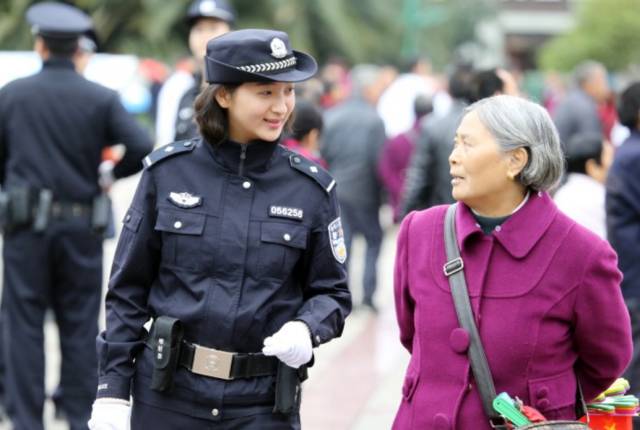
column 336, row 238
column 185, row 200
column 278, row 48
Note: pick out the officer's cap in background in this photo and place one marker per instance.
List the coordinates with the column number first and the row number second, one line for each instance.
column 217, row 9
column 58, row 20
column 256, row 55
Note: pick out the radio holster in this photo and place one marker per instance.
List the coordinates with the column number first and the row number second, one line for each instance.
column 165, row 340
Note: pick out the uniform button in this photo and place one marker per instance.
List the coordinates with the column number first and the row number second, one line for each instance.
column 215, row 412
column 296, row 159
column 127, row 218
column 318, row 339
column 441, row 422
column 459, row 340
column 246, row 185
column 287, row 237
column 313, row 169
column 542, row 392
column 177, row 224
column 188, row 144
column 168, row 149
column 498, row 228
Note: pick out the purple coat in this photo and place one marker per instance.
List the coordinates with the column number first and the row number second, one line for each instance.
column 546, row 295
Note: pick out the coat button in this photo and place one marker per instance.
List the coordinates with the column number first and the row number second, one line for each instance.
column 542, row 392
column 286, row 237
column 313, row 169
column 441, row 422
column 188, row 144
column 498, row 228
column 459, row 340
column 246, row 185
column 318, row 340
column 168, row 149
column 177, row 224
column 215, row 412
column 127, row 218
column 296, row 159
column 543, row 404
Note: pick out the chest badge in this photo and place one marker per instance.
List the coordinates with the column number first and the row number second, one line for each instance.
column 336, row 238
column 286, row 212
column 185, row 200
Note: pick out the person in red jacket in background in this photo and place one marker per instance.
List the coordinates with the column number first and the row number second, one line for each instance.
column 305, row 132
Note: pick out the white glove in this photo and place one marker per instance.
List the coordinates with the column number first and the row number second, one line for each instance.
column 291, row 344
column 110, row 414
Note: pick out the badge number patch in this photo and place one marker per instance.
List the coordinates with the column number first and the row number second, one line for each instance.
column 286, row 212
column 336, row 238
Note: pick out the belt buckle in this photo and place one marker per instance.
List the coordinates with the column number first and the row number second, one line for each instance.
column 212, row 362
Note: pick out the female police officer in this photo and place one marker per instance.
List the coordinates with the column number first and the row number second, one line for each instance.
column 232, row 244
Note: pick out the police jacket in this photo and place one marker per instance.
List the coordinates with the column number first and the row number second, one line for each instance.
column 623, row 212
column 53, row 127
column 233, row 240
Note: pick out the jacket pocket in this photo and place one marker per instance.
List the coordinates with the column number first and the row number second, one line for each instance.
column 554, row 396
column 410, row 383
column 281, row 245
column 181, row 237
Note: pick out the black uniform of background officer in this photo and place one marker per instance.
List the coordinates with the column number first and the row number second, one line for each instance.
column 53, row 127
column 239, row 239
column 174, row 121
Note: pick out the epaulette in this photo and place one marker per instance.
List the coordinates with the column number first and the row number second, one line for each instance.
column 309, row 168
column 166, row 151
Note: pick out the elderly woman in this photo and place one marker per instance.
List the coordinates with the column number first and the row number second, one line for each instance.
column 545, row 291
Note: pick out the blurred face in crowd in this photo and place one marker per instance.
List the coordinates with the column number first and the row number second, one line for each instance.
column 258, row 110
column 597, row 85
column 598, row 171
column 510, row 86
column 203, row 30
column 483, row 177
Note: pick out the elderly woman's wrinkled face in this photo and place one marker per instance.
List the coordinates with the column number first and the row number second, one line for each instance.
column 479, row 170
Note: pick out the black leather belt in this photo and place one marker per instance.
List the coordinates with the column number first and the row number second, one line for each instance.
column 225, row 365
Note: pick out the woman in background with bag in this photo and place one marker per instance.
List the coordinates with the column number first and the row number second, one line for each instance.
column 544, row 291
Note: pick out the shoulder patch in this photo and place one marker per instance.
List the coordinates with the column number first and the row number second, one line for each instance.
column 311, row 169
column 169, row 150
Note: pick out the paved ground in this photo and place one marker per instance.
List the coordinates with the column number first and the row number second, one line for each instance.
column 355, row 383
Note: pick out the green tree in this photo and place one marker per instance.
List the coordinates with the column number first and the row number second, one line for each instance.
column 606, row 31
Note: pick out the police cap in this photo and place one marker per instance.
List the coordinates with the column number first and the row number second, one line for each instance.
column 256, row 55
column 58, row 20
column 217, row 9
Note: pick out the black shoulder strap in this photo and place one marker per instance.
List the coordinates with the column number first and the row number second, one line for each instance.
column 167, row 151
column 311, row 169
column 453, row 269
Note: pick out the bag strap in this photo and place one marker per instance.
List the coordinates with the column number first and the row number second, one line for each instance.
column 453, row 269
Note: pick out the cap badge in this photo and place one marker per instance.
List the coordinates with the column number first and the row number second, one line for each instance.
column 207, row 6
column 278, row 48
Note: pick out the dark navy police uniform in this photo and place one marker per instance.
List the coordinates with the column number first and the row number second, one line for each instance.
column 234, row 249
column 53, row 127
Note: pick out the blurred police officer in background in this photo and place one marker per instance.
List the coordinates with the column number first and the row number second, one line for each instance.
column 174, row 121
column 53, row 127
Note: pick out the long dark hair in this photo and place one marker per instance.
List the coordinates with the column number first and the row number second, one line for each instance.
column 212, row 119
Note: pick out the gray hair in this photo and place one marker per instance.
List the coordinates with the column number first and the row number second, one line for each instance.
column 585, row 70
column 363, row 76
column 518, row 123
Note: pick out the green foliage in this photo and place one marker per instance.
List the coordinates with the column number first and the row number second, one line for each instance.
column 355, row 30
column 606, row 31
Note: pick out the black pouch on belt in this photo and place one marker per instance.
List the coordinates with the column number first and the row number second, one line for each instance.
column 100, row 213
column 288, row 382
column 166, row 338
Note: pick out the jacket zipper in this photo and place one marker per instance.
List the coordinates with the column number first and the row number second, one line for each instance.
column 243, row 156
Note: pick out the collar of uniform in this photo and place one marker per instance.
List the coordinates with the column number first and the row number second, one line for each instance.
column 59, row 62
column 258, row 154
column 520, row 232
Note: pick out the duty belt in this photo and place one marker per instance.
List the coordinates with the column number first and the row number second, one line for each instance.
column 225, row 365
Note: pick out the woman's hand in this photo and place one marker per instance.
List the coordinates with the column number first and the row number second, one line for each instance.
column 110, row 414
column 291, row 344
